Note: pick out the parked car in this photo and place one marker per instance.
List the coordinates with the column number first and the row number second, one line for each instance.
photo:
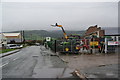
column 37, row 44
column 14, row 46
column 20, row 45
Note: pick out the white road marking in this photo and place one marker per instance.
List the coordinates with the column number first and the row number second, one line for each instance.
column 15, row 59
column 7, row 63
column 4, row 65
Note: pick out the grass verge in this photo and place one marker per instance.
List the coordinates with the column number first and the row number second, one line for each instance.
column 6, row 50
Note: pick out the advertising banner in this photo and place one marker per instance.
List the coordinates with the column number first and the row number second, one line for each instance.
column 113, row 43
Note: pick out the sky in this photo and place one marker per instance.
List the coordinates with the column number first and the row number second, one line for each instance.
column 26, row 15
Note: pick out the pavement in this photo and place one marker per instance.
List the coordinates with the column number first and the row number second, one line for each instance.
column 94, row 66
column 105, row 71
column 34, row 62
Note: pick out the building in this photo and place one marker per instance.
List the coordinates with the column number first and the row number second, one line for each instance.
column 112, row 43
column 13, row 37
column 112, row 40
column 94, row 30
column 92, row 39
column 3, row 41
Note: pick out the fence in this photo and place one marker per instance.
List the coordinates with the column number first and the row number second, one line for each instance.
column 113, row 49
column 63, row 46
column 75, row 46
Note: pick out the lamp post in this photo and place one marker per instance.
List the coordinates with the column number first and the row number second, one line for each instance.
column 23, row 36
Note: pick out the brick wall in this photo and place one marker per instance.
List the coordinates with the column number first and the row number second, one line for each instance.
column 93, row 29
column 102, row 33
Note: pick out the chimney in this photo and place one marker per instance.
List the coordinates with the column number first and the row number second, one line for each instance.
column 95, row 25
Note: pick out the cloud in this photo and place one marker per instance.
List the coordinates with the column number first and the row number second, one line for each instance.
column 60, row 0
column 73, row 16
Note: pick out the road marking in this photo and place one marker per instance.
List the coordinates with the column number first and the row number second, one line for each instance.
column 15, row 59
column 4, row 65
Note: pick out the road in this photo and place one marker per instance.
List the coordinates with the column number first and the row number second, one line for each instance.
column 34, row 62
column 38, row 62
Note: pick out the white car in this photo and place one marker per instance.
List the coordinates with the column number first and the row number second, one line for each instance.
column 14, row 46
column 37, row 44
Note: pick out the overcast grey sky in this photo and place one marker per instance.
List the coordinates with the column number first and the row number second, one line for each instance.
column 72, row 15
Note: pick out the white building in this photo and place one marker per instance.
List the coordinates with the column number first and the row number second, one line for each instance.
column 3, row 40
column 16, row 37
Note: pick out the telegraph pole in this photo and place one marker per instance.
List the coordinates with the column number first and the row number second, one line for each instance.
column 55, row 46
column 31, row 37
column 23, row 37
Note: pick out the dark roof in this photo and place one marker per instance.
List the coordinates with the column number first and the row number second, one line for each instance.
column 113, row 35
column 91, row 27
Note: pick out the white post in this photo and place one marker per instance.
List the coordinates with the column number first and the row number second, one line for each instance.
column 117, row 38
column 89, row 46
column 98, row 33
column 105, row 45
column 93, row 46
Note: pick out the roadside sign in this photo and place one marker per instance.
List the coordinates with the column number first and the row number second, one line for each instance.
column 113, row 43
column 48, row 38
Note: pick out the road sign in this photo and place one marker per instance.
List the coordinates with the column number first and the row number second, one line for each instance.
column 48, row 38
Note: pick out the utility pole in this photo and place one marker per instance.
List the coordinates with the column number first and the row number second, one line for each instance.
column 23, row 37
column 55, row 46
column 31, row 37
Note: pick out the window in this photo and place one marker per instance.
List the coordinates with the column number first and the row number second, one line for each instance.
column 119, row 38
column 12, row 45
column 110, row 39
column 115, row 38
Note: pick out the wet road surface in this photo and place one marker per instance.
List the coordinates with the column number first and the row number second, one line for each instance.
column 94, row 65
column 34, row 62
column 38, row 62
column 107, row 71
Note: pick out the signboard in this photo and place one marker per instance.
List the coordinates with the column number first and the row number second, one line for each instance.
column 113, row 43
column 48, row 38
column 94, row 43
